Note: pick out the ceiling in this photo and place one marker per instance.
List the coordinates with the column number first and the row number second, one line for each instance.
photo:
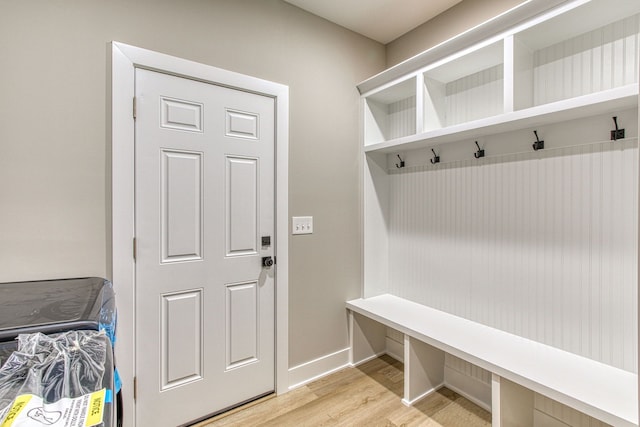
column 380, row 20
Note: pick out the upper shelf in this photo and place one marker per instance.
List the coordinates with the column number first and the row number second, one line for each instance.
column 583, row 106
column 575, row 60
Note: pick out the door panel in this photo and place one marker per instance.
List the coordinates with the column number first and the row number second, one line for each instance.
column 181, row 115
column 181, row 210
column 242, row 125
column 204, row 197
column 181, row 340
column 242, row 324
column 242, row 201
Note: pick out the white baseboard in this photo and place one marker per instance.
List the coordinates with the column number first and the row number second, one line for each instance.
column 360, row 362
column 469, row 387
column 395, row 349
column 318, row 368
column 422, row 396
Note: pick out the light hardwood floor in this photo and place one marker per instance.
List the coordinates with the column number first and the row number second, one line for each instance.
column 368, row 395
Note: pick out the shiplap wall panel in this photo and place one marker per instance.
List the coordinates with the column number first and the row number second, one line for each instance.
column 562, row 413
column 475, row 96
column 602, row 59
column 540, row 244
column 402, row 118
column 468, row 369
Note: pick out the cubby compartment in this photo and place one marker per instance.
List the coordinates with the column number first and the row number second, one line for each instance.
column 588, row 49
column 463, row 89
column 390, row 113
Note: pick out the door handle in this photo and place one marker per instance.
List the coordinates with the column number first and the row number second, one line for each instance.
column 268, row 261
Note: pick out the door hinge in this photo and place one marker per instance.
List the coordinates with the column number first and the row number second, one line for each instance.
column 134, row 248
column 135, row 112
column 135, row 388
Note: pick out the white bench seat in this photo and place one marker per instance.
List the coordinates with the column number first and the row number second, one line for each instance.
column 596, row 389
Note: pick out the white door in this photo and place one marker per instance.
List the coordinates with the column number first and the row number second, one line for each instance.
column 204, row 200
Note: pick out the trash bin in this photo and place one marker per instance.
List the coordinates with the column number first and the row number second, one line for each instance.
column 58, row 322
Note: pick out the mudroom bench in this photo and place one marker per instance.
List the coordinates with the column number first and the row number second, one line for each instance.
column 598, row 390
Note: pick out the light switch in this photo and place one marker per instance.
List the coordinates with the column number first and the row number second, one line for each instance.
column 302, row 225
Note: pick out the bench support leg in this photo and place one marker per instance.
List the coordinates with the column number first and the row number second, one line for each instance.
column 495, row 401
column 423, row 370
column 514, row 403
column 367, row 338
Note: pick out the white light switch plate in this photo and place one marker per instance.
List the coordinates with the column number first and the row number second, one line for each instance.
column 302, row 225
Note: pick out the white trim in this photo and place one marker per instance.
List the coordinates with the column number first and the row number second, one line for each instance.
column 394, row 349
column 469, row 387
column 494, row 28
column 415, row 400
column 124, row 60
column 318, row 368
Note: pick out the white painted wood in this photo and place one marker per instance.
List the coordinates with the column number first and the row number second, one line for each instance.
column 423, row 370
column 238, row 354
column 375, row 225
column 588, row 47
column 601, row 59
column 553, row 21
column 468, row 380
column 394, row 349
column 540, row 419
column 520, row 17
column 617, row 99
column 401, row 118
column 314, row 369
column 516, row 404
column 557, row 374
column 475, row 96
column 181, row 115
column 421, row 107
column 181, row 182
column 366, row 339
column 496, row 401
column 434, row 105
column 545, row 409
column 122, row 267
column 522, row 76
column 242, row 324
column 241, row 124
column 475, row 391
column 468, row 369
column 391, row 112
column 394, row 344
column 181, row 338
column 123, row 61
column 243, row 205
column 539, row 244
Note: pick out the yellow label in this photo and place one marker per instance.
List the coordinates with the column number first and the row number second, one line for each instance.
column 95, row 409
column 18, row 406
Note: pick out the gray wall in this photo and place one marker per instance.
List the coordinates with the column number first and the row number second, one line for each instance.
column 461, row 17
column 54, row 167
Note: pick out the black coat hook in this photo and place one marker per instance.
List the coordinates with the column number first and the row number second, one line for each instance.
column 401, row 165
column 538, row 145
column 616, row 133
column 436, row 158
column 479, row 153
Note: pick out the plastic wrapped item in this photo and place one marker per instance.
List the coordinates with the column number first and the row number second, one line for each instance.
column 63, row 380
column 54, row 306
column 6, row 349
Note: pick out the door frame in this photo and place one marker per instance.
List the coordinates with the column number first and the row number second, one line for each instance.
column 123, row 60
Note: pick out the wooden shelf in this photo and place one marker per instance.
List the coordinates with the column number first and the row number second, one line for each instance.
column 583, row 106
column 578, row 59
column 596, row 389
